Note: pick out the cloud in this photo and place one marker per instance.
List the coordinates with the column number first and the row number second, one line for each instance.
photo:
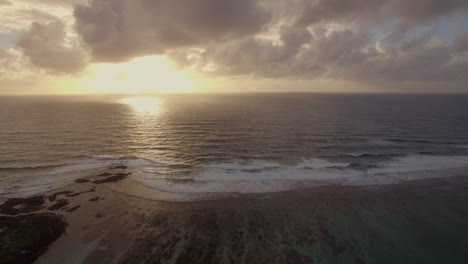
column 9, row 63
column 461, row 42
column 61, row 2
column 347, row 40
column 16, row 73
column 339, row 55
column 367, row 14
column 313, row 38
column 420, row 11
column 417, row 42
column 337, row 11
column 46, row 46
column 372, row 11
column 117, row 30
column 13, row 19
column 49, row 3
column 257, row 56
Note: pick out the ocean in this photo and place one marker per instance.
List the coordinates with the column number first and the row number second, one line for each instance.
column 186, row 146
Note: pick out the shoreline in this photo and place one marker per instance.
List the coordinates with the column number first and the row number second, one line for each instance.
column 125, row 180
column 303, row 225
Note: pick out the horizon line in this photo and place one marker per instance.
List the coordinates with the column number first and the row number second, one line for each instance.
column 232, row 93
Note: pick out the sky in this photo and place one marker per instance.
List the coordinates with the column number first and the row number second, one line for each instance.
column 167, row 46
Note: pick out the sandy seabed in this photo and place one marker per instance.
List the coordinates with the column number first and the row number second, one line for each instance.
column 419, row 221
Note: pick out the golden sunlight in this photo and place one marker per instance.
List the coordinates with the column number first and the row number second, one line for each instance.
column 151, row 74
column 145, row 105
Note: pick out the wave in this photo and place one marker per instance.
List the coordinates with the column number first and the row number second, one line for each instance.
column 244, row 176
column 373, row 154
column 96, row 160
column 400, row 141
column 38, row 167
column 264, row 177
column 27, row 181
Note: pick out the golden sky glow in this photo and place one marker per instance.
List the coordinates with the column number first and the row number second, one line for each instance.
column 151, row 74
column 76, row 47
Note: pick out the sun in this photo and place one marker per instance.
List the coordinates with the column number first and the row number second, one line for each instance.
column 150, row 74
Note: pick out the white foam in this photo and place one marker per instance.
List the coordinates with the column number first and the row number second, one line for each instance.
column 313, row 169
column 262, row 177
column 29, row 183
column 256, row 176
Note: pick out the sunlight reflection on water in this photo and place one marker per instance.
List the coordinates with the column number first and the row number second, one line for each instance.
column 145, row 105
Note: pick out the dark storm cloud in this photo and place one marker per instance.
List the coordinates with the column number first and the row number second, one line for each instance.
column 117, row 30
column 45, row 46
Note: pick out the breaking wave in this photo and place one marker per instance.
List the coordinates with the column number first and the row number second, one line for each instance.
column 169, row 180
column 264, row 177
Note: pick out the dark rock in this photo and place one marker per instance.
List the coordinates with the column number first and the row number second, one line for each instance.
column 76, row 194
column 22, row 205
column 117, row 177
column 59, row 205
column 73, row 209
column 105, row 174
column 98, row 215
column 24, row 238
column 123, row 174
column 81, row 181
column 54, row 196
column 94, row 199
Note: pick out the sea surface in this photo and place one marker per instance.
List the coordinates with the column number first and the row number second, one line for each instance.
column 236, row 143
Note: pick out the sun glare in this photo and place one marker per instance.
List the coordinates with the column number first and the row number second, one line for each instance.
column 145, row 105
column 151, row 74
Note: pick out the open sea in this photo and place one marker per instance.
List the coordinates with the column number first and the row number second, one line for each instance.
column 237, row 143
